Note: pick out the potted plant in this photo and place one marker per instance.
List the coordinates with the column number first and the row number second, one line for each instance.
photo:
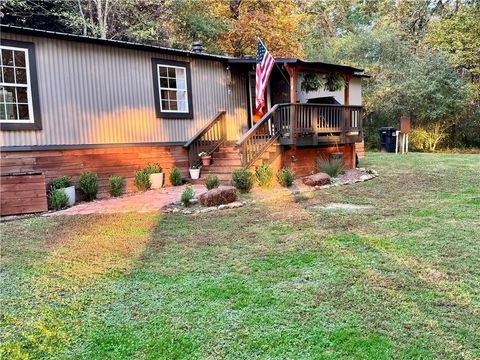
column 64, row 184
column 337, row 154
column 155, row 175
column 206, row 159
column 194, row 172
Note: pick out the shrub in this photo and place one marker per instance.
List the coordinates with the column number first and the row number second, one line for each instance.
column 115, row 185
column 242, row 179
column 57, row 199
column 332, row 167
column 187, row 195
column 285, row 177
column 264, row 175
column 141, row 181
column 59, row 183
column 175, row 176
column 152, row 169
column 212, row 182
column 428, row 137
column 88, row 184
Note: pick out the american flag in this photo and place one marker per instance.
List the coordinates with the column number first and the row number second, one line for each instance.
column 265, row 63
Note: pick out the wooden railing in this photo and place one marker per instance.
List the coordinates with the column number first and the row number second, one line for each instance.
column 208, row 139
column 301, row 124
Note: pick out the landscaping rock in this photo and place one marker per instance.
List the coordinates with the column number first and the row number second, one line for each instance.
column 318, row 179
column 219, row 196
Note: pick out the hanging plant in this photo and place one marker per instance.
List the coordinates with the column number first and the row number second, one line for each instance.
column 311, row 82
column 333, row 82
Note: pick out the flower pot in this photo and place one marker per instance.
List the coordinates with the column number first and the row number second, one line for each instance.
column 70, row 192
column 206, row 160
column 156, row 180
column 336, row 155
column 194, row 173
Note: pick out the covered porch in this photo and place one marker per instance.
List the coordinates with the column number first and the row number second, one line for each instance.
column 293, row 117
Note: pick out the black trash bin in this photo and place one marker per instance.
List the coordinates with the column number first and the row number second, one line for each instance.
column 388, row 139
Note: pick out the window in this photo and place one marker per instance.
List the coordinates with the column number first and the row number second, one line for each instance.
column 16, row 96
column 172, row 89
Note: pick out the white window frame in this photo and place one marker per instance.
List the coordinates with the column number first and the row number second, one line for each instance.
column 160, row 88
column 28, row 86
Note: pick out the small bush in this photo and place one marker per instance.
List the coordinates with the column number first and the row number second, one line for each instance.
column 264, row 175
column 212, row 182
column 88, row 184
column 285, row 177
column 59, row 183
column 152, row 169
column 141, row 181
column 187, row 195
column 242, row 179
column 115, row 185
column 175, row 176
column 332, row 167
column 57, row 199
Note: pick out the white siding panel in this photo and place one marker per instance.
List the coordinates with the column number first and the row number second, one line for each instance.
column 96, row 94
column 303, row 96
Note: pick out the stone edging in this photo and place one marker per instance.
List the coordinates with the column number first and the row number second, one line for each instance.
column 187, row 211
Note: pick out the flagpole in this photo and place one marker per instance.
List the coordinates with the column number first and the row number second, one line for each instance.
column 279, row 68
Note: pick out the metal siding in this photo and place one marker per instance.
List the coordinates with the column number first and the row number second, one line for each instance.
column 96, row 94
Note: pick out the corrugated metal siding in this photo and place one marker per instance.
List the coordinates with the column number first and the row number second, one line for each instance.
column 96, row 94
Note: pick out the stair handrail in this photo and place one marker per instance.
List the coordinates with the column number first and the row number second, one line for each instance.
column 251, row 151
column 194, row 144
column 204, row 129
column 259, row 124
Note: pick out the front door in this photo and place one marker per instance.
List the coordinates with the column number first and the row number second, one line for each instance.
column 254, row 116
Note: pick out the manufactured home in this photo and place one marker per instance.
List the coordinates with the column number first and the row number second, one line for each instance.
column 71, row 103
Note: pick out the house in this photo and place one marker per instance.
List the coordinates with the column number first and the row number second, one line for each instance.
column 72, row 103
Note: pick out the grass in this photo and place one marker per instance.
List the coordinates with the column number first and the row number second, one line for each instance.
column 280, row 279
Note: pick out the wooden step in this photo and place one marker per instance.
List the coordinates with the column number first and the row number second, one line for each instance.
column 219, row 168
column 227, row 161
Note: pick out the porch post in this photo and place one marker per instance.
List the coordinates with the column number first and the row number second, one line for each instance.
column 292, row 71
column 346, row 91
column 346, row 109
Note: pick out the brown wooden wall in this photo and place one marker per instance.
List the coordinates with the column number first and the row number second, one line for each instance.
column 122, row 161
column 302, row 160
column 22, row 194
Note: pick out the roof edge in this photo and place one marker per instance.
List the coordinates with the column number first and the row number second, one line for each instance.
column 109, row 42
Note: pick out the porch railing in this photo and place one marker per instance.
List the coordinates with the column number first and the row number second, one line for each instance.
column 208, row 139
column 301, row 124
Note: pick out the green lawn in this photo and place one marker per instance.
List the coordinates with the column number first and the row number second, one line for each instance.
column 280, row 279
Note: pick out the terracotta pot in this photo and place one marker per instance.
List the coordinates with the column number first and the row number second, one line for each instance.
column 206, row 160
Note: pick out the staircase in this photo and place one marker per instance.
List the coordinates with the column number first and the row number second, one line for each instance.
column 226, row 159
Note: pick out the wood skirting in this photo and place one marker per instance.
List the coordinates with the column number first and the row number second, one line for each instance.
column 122, row 161
column 302, row 160
column 22, row 194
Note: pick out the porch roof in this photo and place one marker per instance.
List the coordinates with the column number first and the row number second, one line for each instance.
column 303, row 64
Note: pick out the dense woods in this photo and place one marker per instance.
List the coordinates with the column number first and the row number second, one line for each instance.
column 423, row 55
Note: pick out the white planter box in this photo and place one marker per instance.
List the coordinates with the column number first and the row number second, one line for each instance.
column 70, row 192
column 194, row 173
column 156, row 180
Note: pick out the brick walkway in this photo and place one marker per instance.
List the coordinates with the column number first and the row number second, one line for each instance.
column 148, row 201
